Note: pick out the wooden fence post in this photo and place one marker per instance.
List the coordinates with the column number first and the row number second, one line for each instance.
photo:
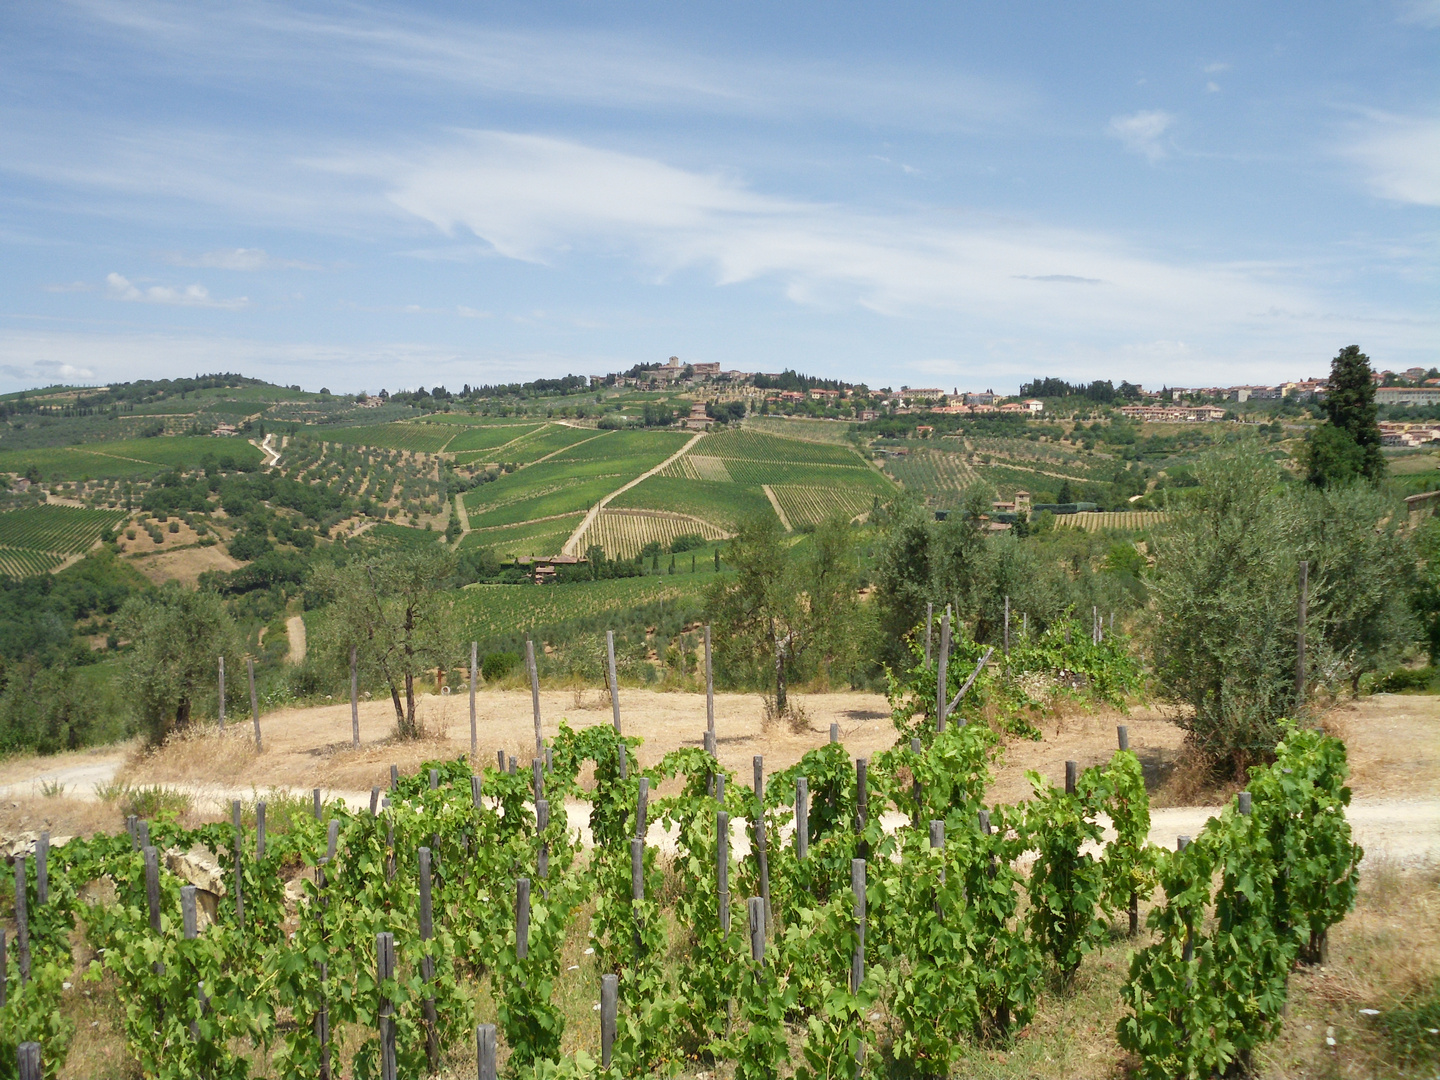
column 385, row 971
column 222, row 694
column 929, row 621
column 152, row 886
column 22, row 919
column 834, row 732
column 1301, row 610
column 915, row 789
column 757, row 930
column 1072, row 774
column 542, row 854
column 354, row 700
column 485, row 1052
column 535, row 695
column 42, row 868
column 427, row 964
column 475, row 792
column 142, row 832
column 941, row 670
column 239, row 866
column 937, row 843
column 27, row 1061
column 1122, row 734
column 4, row 963
column 762, row 853
column 722, row 868
column 857, row 889
column 260, row 829
column 709, row 687
column 1244, row 801
column 609, row 1010
column 474, row 676
column 642, row 808
column 1007, row 627
column 190, row 927
column 522, row 918
column 802, row 818
column 394, row 776
column 254, row 705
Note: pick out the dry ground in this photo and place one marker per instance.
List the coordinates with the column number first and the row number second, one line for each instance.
column 184, row 565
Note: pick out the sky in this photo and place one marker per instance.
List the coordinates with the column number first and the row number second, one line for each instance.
column 358, row 196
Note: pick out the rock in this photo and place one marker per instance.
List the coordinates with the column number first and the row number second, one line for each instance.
column 198, row 867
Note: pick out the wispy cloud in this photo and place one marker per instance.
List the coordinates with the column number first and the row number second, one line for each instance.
column 549, row 201
column 236, row 259
column 1142, row 132
column 69, row 286
column 247, row 42
column 1421, row 13
column 1400, row 156
column 121, row 288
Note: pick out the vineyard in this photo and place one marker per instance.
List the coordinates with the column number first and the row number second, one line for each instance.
column 487, row 612
column 530, row 538
column 722, row 504
column 805, row 505
column 932, row 472
column 622, row 533
column 488, row 437
column 748, row 445
column 61, row 529
column 124, row 459
column 1122, row 519
column 789, row 933
column 20, row 562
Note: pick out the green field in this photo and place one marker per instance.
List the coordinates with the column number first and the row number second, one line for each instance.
column 61, row 529
column 824, row 431
column 488, row 611
column 1129, row 520
column 126, row 459
column 746, row 445
column 547, row 440
column 932, row 473
column 401, row 435
column 530, row 538
column 573, row 480
column 489, row 437
column 723, row 504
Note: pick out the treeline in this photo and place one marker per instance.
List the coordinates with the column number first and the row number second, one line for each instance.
column 791, row 380
column 144, row 391
column 1101, row 390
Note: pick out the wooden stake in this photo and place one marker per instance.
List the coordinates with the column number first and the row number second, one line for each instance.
column 474, row 677
column 22, row 917
column 1301, row 611
column 222, row 693
column 318, row 809
column 1007, row 626
column 1123, row 735
column 260, row 829
column 427, row 964
column 385, row 971
column 722, row 867
column 802, row 818
column 354, row 701
column 254, row 705
column 152, row 886
column 42, row 869
column 929, row 621
column 942, row 702
column 709, row 686
column 522, row 918
column 1072, row 773
column 609, row 1009
column 834, row 732
column 27, row 1061
column 239, row 869
column 857, row 889
column 614, row 684
column 762, row 854
column 535, row 695
column 485, row 1052
column 757, row 930
column 642, row 808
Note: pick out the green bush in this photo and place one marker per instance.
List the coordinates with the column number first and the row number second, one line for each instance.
column 1394, row 682
column 498, row 665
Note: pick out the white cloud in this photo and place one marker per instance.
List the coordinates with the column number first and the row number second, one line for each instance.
column 236, row 259
column 1401, row 157
column 1142, row 132
column 1212, row 87
column 1215, row 68
column 548, row 201
column 1424, row 13
column 121, row 288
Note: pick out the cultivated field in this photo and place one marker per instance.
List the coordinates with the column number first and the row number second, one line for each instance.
column 401, row 435
column 61, row 529
column 1123, row 519
column 622, row 533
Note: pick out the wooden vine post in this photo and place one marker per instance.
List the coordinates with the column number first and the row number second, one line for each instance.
column 427, row 964
column 609, row 1013
column 762, row 854
column 1302, row 609
column 385, row 972
column 941, row 668
column 485, row 1046
column 474, row 677
column 221, row 710
column 254, row 705
column 354, row 700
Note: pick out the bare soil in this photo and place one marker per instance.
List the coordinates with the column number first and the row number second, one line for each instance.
column 184, row 565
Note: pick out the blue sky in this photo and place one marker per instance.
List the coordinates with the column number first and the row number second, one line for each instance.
column 363, row 196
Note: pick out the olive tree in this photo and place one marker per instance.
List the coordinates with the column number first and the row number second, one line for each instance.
column 176, row 636
column 392, row 608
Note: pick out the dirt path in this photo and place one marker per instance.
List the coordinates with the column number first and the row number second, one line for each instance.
column 295, row 631
column 571, row 545
column 461, row 515
column 270, row 452
column 775, row 505
column 1393, row 743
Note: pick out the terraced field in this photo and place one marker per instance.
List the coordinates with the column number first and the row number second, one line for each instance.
column 1120, row 519
column 623, row 533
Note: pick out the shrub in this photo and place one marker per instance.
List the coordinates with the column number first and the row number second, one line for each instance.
column 686, row 542
column 498, row 665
